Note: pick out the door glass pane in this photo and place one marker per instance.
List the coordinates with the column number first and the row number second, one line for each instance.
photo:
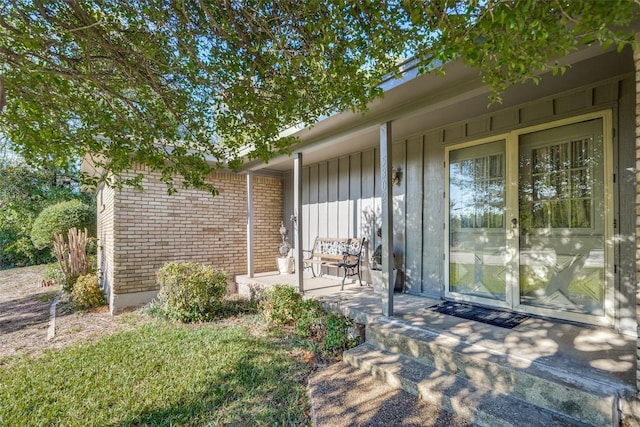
column 477, row 240
column 562, row 212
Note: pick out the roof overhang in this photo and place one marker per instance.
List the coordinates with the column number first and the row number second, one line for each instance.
column 416, row 102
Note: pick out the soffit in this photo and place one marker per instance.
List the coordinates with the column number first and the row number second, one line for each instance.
column 429, row 101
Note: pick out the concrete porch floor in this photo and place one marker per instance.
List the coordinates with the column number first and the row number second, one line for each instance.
column 595, row 353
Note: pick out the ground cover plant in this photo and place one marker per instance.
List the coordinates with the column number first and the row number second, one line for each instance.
column 161, row 373
column 325, row 334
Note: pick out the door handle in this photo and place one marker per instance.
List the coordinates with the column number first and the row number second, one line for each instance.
column 514, row 222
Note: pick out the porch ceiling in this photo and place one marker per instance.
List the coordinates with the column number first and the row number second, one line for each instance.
column 429, row 101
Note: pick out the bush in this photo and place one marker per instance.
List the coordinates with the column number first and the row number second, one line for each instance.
column 87, row 292
column 52, row 273
column 281, row 305
column 59, row 218
column 339, row 335
column 327, row 333
column 311, row 319
column 69, row 282
column 20, row 252
column 190, row 292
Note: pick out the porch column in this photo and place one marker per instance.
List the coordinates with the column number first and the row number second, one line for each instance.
column 297, row 224
column 387, row 218
column 250, row 223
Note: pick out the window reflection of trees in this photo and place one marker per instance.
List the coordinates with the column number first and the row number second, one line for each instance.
column 478, row 192
column 559, row 192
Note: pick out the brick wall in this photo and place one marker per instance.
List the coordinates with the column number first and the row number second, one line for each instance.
column 151, row 227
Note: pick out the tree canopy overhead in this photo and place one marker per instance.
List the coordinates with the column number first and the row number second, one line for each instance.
column 170, row 83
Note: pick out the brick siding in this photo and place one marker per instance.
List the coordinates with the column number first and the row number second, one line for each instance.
column 151, row 227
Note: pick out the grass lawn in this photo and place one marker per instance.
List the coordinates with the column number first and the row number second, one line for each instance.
column 160, row 373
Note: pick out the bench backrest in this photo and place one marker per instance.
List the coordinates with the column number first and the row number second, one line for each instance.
column 332, row 248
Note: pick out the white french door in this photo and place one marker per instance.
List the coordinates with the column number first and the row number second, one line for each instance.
column 529, row 220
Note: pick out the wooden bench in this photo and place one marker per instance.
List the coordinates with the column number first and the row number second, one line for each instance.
column 335, row 252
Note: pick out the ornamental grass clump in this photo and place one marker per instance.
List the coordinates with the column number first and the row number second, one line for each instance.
column 190, row 292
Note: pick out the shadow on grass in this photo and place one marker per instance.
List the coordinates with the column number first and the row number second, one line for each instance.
column 264, row 388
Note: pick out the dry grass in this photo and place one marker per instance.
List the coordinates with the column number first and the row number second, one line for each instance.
column 24, row 316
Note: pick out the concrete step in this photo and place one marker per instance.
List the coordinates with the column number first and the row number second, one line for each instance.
column 589, row 401
column 482, row 405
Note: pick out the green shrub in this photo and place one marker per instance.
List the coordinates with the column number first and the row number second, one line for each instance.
column 311, row 319
column 281, row 305
column 190, row 292
column 53, row 273
column 327, row 333
column 59, row 218
column 69, row 282
column 338, row 333
column 87, row 292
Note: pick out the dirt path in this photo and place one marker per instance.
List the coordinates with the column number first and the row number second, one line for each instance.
column 24, row 316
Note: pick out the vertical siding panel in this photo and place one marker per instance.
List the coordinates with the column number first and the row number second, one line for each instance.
column 367, row 215
column 355, row 195
column 332, row 200
column 399, row 156
column 314, row 204
column 323, row 213
column 625, row 149
column 344, row 213
column 414, row 179
column 432, row 260
column 377, row 199
column 306, row 208
column 287, row 202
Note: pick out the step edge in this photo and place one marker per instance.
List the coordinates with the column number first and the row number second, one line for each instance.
column 396, row 380
column 590, row 383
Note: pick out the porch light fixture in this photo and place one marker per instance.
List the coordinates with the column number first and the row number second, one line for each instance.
column 396, row 176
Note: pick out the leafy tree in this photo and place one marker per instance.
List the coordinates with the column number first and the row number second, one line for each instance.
column 24, row 192
column 166, row 83
column 59, row 218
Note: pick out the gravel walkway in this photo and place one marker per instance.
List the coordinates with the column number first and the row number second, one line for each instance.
column 343, row 396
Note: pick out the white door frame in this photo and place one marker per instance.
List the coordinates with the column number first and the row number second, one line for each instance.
column 512, row 300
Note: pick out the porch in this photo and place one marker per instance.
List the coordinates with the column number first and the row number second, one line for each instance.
column 569, row 356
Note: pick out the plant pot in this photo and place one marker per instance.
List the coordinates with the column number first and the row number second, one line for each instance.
column 285, row 265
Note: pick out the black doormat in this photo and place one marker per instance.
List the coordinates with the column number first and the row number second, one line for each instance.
column 503, row 319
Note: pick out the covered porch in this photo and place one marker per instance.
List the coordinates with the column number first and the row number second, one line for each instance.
column 441, row 187
column 582, row 352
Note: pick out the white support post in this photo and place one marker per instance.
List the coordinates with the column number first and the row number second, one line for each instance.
column 297, row 224
column 250, row 224
column 387, row 219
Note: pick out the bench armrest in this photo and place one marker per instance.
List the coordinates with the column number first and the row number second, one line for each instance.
column 349, row 255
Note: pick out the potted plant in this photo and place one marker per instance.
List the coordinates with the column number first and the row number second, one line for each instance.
column 285, row 262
